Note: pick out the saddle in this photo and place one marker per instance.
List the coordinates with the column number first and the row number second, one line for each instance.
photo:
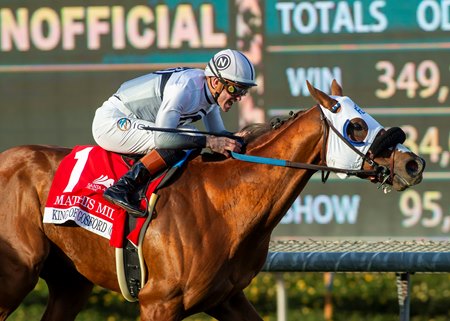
column 76, row 196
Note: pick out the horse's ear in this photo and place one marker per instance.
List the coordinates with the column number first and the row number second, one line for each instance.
column 336, row 89
column 322, row 98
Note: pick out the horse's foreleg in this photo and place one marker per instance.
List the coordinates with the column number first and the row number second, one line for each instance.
column 161, row 310
column 159, row 301
column 236, row 308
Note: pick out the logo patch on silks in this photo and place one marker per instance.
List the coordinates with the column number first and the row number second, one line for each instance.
column 124, row 124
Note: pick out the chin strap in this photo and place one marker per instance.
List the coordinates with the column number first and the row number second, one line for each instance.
column 215, row 91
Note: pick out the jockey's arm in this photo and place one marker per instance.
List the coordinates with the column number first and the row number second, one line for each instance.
column 214, row 123
column 169, row 117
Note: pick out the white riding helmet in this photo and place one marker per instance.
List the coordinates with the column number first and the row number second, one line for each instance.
column 232, row 65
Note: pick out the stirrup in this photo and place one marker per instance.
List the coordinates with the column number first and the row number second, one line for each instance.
column 127, row 207
column 139, row 214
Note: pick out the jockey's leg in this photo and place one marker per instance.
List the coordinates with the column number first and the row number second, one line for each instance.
column 124, row 192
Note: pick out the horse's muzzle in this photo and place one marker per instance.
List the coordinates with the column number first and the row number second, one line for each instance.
column 411, row 175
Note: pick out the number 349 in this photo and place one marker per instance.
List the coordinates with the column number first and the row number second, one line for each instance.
column 410, row 78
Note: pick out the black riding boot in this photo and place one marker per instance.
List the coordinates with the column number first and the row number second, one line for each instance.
column 124, row 192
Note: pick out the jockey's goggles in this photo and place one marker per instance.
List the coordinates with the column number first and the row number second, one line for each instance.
column 235, row 90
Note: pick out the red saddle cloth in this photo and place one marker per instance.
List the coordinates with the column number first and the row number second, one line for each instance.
column 77, row 190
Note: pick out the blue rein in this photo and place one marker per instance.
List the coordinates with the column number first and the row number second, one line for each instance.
column 259, row 160
column 286, row 163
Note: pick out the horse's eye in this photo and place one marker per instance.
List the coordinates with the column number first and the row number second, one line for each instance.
column 356, row 130
column 357, row 126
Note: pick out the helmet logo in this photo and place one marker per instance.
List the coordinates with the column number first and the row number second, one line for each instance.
column 222, row 62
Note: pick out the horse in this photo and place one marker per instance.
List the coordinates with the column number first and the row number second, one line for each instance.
column 213, row 224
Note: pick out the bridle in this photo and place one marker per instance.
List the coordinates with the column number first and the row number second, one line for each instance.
column 383, row 174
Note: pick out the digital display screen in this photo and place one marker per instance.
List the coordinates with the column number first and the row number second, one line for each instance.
column 61, row 61
column 392, row 58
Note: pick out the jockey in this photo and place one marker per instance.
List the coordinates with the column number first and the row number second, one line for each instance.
column 171, row 98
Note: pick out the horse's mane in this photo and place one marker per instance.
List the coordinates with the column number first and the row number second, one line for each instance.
column 250, row 133
column 253, row 131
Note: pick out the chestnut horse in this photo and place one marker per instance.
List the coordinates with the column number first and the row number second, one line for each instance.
column 210, row 236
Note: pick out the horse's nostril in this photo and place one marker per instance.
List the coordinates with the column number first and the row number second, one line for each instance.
column 415, row 166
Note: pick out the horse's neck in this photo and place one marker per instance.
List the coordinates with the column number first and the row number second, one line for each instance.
column 271, row 190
